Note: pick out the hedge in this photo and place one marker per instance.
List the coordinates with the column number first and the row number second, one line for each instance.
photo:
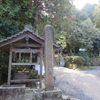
column 76, row 61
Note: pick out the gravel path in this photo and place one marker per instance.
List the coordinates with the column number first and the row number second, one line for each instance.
column 78, row 85
column 95, row 71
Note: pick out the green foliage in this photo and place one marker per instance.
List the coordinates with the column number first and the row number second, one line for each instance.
column 89, row 63
column 20, row 67
column 33, row 74
column 80, row 35
column 85, row 55
column 80, row 15
column 13, row 16
column 74, row 61
column 83, row 16
column 97, row 16
column 89, row 9
column 69, row 59
column 83, row 35
column 89, row 58
column 97, row 43
column 72, row 66
column 62, row 42
column 79, row 60
column 37, row 13
column 8, row 28
column 3, row 67
column 24, row 59
column 59, row 15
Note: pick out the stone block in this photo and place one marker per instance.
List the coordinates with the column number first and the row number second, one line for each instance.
column 55, row 94
column 12, row 93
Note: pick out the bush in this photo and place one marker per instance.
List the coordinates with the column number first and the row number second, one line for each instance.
column 85, row 55
column 72, row 66
column 89, row 63
column 75, row 61
column 68, row 60
column 79, row 60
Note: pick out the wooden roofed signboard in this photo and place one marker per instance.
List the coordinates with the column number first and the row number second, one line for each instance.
column 24, row 43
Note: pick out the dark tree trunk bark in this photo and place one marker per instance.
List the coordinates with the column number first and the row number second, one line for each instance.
column 68, row 49
column 35, row 15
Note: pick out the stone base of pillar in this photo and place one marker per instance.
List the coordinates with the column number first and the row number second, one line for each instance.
column 55, row 94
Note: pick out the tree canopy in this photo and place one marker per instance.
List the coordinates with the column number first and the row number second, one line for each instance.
column 68, row 22
column 97, row 16
column 16, row 14
column 83, row 34
column 89, row 9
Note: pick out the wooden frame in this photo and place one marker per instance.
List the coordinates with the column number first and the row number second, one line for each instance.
column 19, row 43
column 32, row 48
column 24, row 64
column 30, row 51
column 26, row 45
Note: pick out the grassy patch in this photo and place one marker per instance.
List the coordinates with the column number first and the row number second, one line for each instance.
column 76, row 67
column 84, row 68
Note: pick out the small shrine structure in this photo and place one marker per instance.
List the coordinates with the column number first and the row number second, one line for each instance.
column 26, row 43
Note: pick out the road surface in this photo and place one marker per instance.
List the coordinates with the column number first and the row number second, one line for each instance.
column 78, row 85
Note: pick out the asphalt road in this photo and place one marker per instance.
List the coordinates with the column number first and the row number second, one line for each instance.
column 78, row 85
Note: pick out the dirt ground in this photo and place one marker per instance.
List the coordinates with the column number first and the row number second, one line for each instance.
column 78, row 85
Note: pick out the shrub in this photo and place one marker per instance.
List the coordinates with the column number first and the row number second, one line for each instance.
column 85, row 55
column 74, row 61
column 68, row 60
column 89, row 63
column 79, row 60
column 73, row 66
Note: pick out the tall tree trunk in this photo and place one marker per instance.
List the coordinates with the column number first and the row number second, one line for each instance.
column 68, row 49
column 35, row 15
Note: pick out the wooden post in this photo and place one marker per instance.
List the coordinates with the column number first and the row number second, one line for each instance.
column 9, row 69
column 49, row 80
column 30, row 57
column 19, row 56
column 41, row 58
column 38, row 59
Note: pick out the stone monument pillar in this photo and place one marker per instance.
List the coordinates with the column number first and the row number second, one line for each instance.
column 51, row 93
column 49, row 81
